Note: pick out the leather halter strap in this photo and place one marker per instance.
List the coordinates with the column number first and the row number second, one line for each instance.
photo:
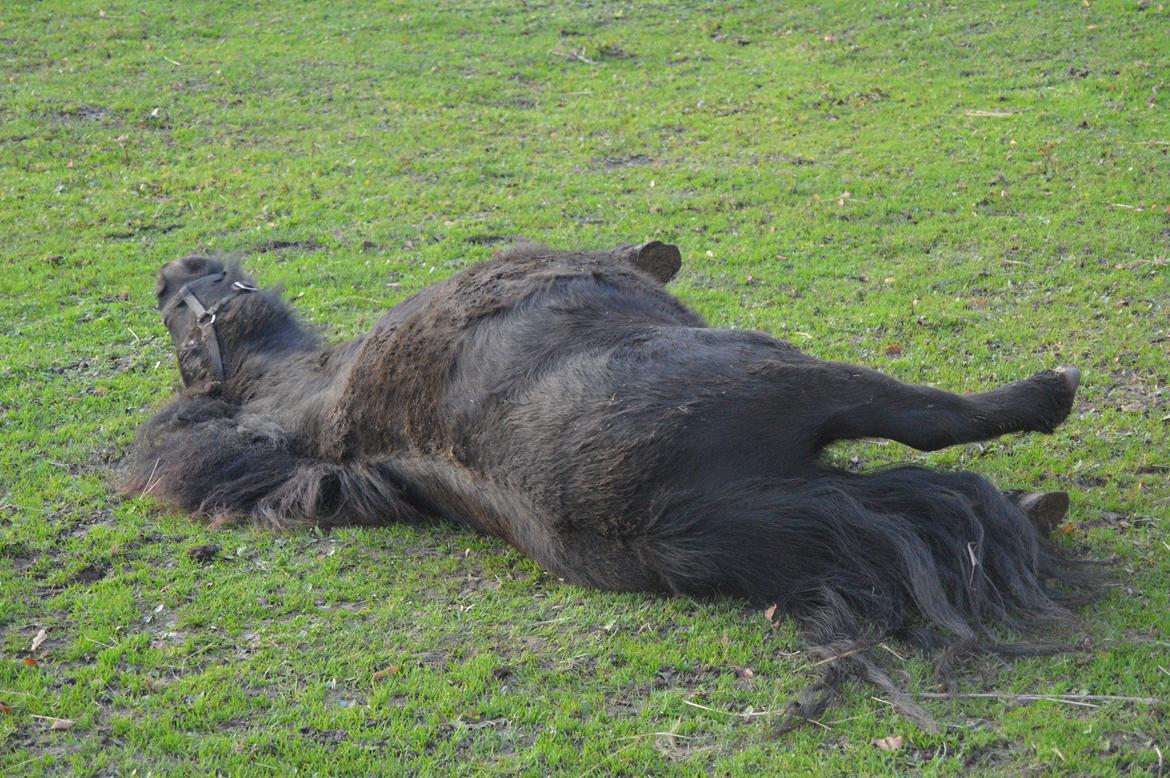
column 205, row 316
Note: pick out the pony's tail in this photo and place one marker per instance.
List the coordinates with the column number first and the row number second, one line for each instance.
column 202, row 456
column 942, row 561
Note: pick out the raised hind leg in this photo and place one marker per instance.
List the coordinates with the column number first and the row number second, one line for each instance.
column 867, row 404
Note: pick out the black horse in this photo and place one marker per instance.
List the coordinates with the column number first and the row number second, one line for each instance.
column 565, row 402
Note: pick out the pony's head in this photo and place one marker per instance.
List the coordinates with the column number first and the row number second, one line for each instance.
column 199, row 299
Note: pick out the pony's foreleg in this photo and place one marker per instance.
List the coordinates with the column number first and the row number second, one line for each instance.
column 867, row 404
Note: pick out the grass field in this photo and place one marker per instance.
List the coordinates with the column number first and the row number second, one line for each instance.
column 959, row 194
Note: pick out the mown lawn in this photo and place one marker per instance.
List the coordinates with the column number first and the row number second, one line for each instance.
column 957, row 193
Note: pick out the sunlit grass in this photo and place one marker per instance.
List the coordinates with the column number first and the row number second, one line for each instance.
column 960, row 195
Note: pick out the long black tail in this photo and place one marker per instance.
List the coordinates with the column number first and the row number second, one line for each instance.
column 201, row 455
column 942, row 561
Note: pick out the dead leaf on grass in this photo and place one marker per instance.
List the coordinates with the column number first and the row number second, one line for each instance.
column 28, row 660
column 56, row 723
column 391, row 670
column 769, row 613
column 894, row 349
column 40, row 638
column 5, row 708
column 891, row 743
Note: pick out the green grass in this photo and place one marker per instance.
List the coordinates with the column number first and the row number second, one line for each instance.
column 958, row 194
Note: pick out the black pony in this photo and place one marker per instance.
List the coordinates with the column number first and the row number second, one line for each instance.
column 565, row 402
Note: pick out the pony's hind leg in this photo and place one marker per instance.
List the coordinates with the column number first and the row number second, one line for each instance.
column 867, row 404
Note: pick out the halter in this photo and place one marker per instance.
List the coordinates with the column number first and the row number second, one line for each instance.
column 205, row 316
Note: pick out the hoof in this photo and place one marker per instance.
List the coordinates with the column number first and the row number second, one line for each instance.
column 659, row 260
column 1046, row 510
column 1071, row 376
column 1059, row 388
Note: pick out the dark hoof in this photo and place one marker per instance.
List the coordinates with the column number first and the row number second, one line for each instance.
column 1046, row 510
column 1071, row 376
column 659, row 260
column 1060, row 386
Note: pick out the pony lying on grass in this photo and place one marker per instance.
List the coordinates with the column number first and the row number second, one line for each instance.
column 566, row 403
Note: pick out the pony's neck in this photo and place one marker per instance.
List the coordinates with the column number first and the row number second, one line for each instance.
column 293, row 391
column 269, row 349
